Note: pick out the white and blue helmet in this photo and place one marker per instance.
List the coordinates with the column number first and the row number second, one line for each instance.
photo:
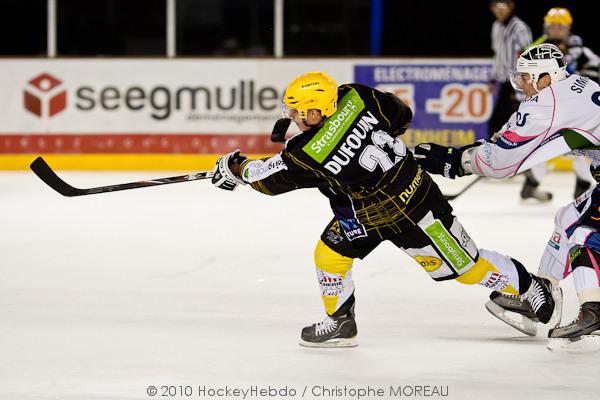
column 542, row 59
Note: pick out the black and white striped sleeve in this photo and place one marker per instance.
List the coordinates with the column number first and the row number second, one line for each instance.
column 522, row 36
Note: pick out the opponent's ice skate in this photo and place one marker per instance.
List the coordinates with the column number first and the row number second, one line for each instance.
column 337, row 330
column 581, row 335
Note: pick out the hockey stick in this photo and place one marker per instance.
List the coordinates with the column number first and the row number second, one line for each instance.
column 451, row 197
column 46, row 174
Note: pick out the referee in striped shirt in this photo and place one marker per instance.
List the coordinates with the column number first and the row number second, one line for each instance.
column 510, row 36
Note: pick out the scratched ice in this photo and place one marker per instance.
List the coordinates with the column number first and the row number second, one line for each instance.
column 105, row 295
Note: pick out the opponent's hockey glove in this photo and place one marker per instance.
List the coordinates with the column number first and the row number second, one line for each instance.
column 224, row 178
column 439, row 160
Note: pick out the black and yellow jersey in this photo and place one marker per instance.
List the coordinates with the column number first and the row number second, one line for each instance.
column 355, row 158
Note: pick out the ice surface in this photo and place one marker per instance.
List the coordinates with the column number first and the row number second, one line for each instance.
column 102, row 296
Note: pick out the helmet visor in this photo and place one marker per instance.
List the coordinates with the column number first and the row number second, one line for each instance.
column 288, row 112
column 519, row 79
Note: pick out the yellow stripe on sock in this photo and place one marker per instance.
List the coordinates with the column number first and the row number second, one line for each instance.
column 477, row 273
column 330, row 304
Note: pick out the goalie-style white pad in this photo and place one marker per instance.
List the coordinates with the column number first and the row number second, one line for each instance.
column 556, row 317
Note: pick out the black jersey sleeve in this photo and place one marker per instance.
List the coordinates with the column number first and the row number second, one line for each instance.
column 279, row 174
column 402, row 114
column 394, row 111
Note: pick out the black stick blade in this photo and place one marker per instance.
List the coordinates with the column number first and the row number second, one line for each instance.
column 45, row 173
column 280, row 129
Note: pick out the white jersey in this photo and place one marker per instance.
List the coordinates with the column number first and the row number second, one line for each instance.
column 561, row 118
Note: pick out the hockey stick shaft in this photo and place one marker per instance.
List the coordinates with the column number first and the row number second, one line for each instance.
column 49, row 177
column 451, row 197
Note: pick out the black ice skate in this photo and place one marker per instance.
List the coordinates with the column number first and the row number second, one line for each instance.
column 513, row 311
column 519, row 314
column 514, row 303
column 530, row 190
column 581, row 335
column 581, row 186
column 337, row 330
column 540, row 298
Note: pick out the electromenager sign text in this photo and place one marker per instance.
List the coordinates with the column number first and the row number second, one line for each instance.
column 450, row 100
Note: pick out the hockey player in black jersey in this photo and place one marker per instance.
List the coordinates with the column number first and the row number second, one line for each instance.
column 350, row 149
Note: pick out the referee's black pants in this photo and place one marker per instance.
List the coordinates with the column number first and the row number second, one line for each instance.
column 505, row 105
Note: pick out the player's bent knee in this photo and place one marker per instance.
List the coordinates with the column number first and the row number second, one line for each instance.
column 328, row 260
column 584, row 257
column 477, row 272
column 485, row 273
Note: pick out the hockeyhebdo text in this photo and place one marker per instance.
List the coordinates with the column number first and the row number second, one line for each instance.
column 355, row 392
column 432, row 74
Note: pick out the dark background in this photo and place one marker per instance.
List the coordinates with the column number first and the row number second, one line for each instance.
column 244, row 27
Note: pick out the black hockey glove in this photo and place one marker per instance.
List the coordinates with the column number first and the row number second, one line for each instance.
column 224, row 178
column 439, row 160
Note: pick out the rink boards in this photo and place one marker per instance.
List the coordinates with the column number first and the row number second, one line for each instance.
column 180, row 114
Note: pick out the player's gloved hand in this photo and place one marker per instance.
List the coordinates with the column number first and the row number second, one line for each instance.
column 442, row 160
column 226, row 171
column 439, row 160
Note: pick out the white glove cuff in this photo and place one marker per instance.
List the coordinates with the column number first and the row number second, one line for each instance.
column 226, row 171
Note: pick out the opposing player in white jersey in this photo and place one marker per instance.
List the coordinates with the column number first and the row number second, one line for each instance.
column 560, row 114
column 580, row 60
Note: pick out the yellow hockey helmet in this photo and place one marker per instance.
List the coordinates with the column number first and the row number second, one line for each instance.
column 311, row 90
column 558, row 15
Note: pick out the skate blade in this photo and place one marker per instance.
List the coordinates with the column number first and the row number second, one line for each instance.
column 585, row 345
column 332, row 343
column 534, row 201
column 519, row 322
